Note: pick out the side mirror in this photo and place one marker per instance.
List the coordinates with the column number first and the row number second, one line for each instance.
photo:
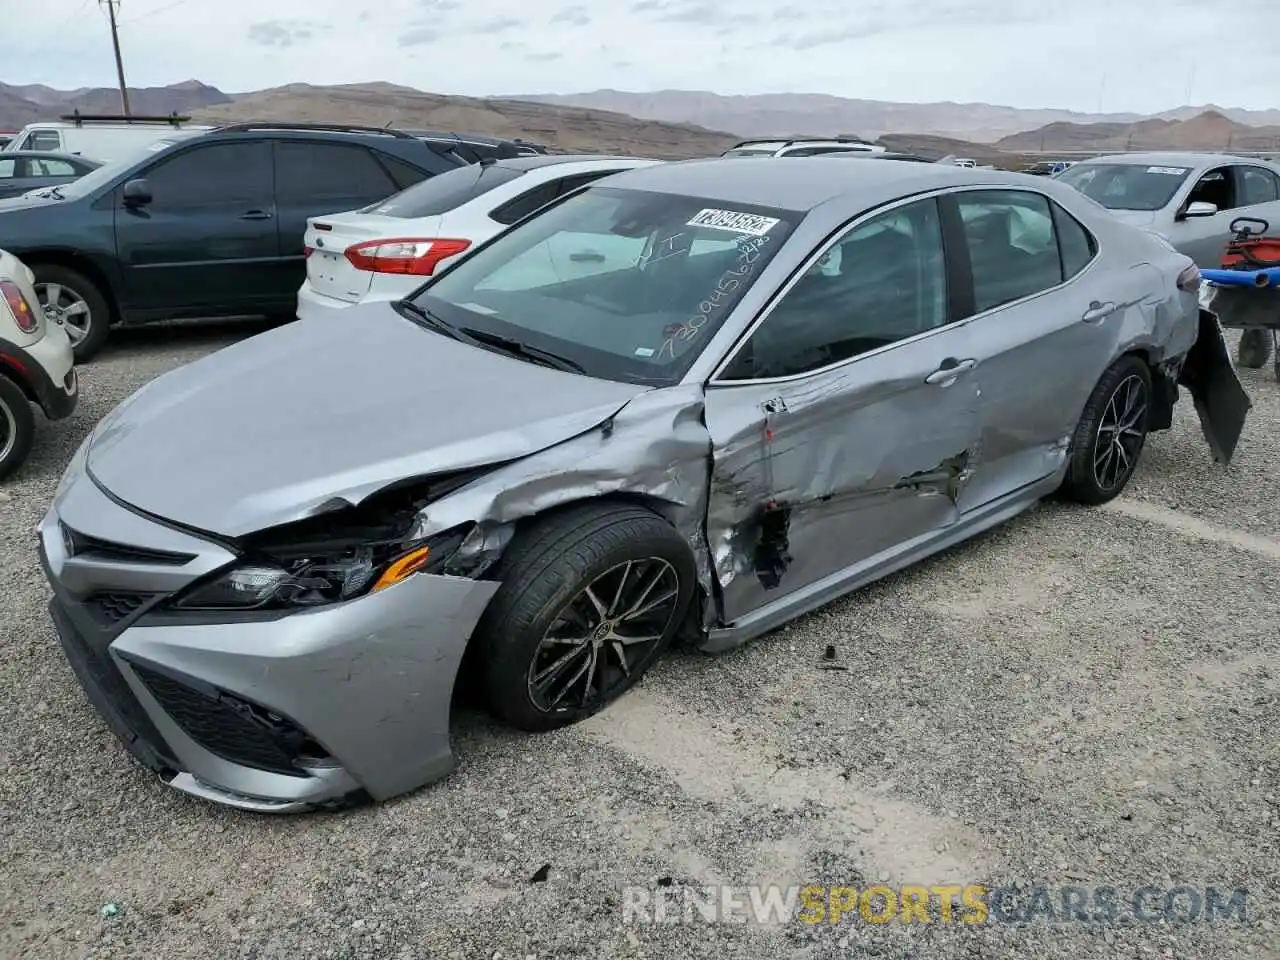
column 136, row 193
column 1200, row 209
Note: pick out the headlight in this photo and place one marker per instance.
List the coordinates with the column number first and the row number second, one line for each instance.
column 319, row 578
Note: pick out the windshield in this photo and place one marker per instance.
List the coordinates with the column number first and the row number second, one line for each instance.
column 1125, row 186
column 628, row 285
column 444, row 192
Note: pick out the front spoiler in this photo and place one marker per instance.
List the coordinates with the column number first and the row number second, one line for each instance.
column 1220, row 398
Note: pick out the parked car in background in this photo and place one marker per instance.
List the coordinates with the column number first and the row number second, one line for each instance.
column 1190, row 199
column 206, row 226
column 801, row 147
column 474, row 147
column 1047, row 168
column 102, row 137
column 23, row 170
column 36, row 365
column 309, row 530
column 882, row 155
column 387, row 250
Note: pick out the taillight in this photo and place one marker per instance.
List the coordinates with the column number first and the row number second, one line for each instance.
column 22, row 312
column 418, row 257
column 1189, row 279
column 308, row 251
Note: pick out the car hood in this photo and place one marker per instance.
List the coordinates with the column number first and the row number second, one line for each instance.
column 12, row 204
column 276, row 427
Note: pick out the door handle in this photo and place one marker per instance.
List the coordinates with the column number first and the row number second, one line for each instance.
column 256, row 215
column 1098, row 312
column 587, row 257
column 949, row 369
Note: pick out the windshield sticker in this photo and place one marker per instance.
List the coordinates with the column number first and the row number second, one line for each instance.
column 645, row 352
column 733, row 221
column 1171, row 171
column 730, row 281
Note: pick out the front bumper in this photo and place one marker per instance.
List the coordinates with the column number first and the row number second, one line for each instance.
column 270, row 714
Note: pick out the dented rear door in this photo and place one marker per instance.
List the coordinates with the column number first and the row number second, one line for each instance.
column 818, row 473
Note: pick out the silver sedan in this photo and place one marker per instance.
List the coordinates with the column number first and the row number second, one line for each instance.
column 1191, row 199
column 270, row 566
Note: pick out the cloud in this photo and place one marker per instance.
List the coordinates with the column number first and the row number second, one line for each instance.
column 545, row 57
column 281, row 33
column 417, row 37
column 575, row 16
column 823, row 38
column 993, row 51
column 697, row 13
column 497, row 25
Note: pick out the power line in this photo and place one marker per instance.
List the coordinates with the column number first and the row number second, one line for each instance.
column 157, row 12
column 115, row 44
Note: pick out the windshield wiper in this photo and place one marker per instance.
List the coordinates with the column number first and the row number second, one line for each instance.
column 425, row 318
column 521, row 349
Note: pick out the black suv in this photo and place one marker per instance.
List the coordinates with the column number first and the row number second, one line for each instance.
column 203, row 226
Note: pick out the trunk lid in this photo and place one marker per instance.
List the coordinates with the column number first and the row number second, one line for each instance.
column 329, row 272
column 273, row 428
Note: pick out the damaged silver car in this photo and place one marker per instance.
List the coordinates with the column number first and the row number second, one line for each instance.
column 782, row 382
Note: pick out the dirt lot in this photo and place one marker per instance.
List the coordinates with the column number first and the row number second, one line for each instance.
column 1081, row 697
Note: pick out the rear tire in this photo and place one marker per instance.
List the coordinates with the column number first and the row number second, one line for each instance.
column 1255, row 349
column 17, row 427
column 1111, row 434
column 573, row 605
column 85, row 311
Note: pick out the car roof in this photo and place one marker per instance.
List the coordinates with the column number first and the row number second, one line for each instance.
column 791, row 185
column 548, row 160
column 1178, row 158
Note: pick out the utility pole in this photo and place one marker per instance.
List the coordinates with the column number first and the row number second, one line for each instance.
column 115, row 43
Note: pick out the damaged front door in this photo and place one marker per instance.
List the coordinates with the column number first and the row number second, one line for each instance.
column 842, row 427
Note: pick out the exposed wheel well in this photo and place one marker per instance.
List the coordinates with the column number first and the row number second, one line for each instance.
column 19, row 382
column 1164, row 390
column 80, row 264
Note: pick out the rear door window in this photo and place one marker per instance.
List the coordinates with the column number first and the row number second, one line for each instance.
column 1013, row 247
column 445, row 192
column 311, row 172
column 404, row 174
column 526, row 203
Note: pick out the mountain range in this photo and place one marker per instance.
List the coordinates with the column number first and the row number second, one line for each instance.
column 821, row 114
column 678, row 123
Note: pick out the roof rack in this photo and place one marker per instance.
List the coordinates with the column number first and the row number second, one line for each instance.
column 80, row 119
column 794, row 140
column 250, row 125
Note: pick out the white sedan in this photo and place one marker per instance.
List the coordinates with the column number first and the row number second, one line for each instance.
column 388, row 249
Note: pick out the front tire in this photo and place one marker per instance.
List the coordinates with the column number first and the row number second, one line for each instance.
column 76, row 300
column 590, row 598
column 1111, row 434
column 17, row 427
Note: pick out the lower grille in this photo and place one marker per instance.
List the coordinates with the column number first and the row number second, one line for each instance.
column 110, row 694
column 225, row 726
column 112, row 608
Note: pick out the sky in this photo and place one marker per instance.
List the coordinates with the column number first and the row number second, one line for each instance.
column 1111, row 55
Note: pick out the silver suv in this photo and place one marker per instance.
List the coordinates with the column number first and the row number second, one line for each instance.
column 801, row 147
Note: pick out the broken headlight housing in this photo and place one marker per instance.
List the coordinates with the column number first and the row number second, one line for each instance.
column 301, row 575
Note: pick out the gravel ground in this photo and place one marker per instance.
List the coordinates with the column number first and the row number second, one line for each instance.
column 1078, row 698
